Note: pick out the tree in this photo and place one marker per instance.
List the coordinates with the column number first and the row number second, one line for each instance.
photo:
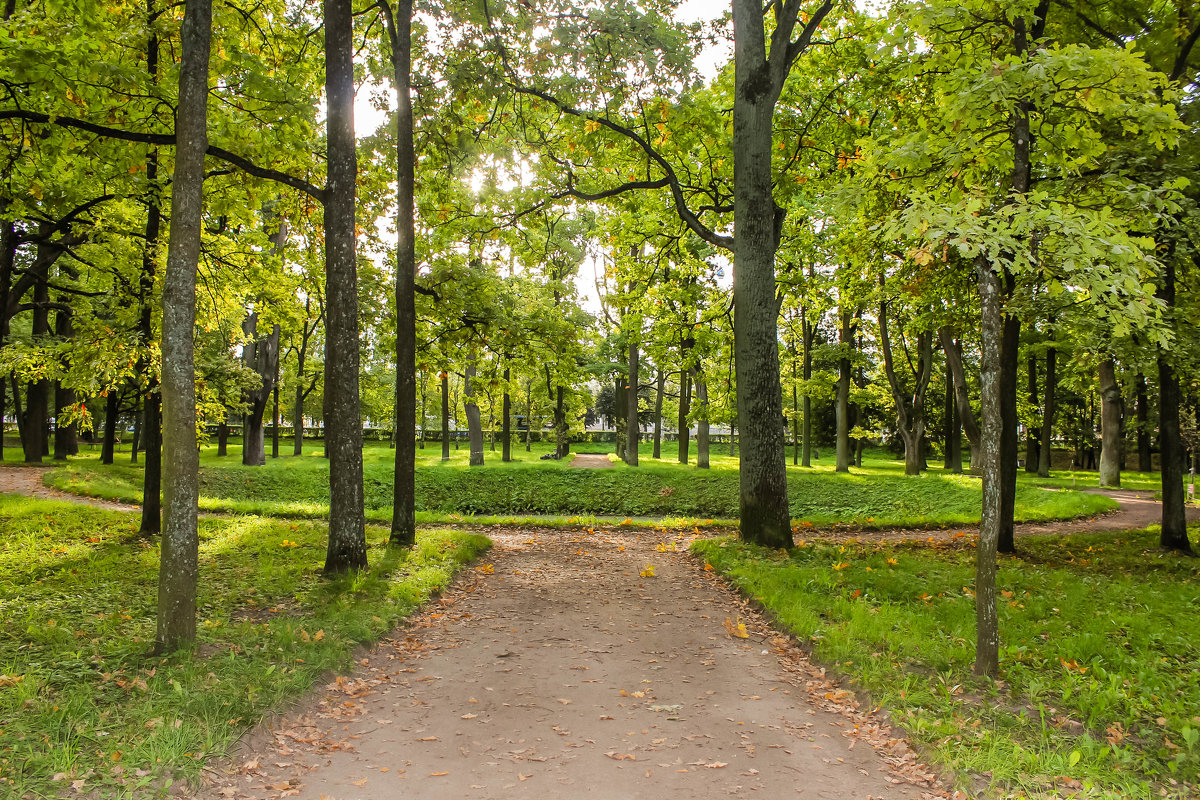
column 179, row 566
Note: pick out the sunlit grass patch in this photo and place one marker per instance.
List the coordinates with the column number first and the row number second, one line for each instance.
column 1098, row 692
column 81, row 700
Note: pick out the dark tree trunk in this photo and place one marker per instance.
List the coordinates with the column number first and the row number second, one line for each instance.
column 8, row 250
column 179, row 563
column 685, row 403
column 620, row 410
column 137, row 435
column 632, row 429
column 842, row 409
column 506, row 422
column 528, row 415
column 261, row 355
column 445, row 377
column 404, row 525
column 1010, row 447
column 112, row 413
column 1110, row 425
column 953, row 461
column 809, row 335
column 1173, row 535
column 64, row 435
column 343, row 425
column 37, row 399
column 702, row 426
column 151, row 522
column 795, row 405
column 1049, row 406
column 1032, row 445
column 562, row 445
column 474, row 428
column 910, row 409
column 275, row 420
column 1143, row 426
column 660, row 386
column 966, row 415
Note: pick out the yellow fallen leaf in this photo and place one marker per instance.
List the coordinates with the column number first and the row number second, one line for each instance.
column 647, row 572
column 438, row 774
column 362, row 782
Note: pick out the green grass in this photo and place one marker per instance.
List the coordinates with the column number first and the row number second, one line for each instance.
column 83, row 701
column 876, row 495
column 1098, row 652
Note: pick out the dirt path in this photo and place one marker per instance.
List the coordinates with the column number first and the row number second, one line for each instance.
column 27, row 480
column 560, row 670
column 590, row 461
column 1138, row 509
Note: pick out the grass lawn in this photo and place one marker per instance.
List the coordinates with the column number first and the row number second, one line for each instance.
column 877, row 495
column 1098, row 650
column 84, row 706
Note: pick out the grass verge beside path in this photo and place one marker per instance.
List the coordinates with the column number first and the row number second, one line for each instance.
column 1098, row 693
column 878, row 495
column 86, row 710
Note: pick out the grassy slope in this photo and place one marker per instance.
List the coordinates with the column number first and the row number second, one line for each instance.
column 877, row 495
column 77, row 611
column 1098, row 663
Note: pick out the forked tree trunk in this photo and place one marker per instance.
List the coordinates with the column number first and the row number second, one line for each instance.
column 261, row 355
column 179, row 560
column 966, row 414
column 910, row 409
column 1110, row 425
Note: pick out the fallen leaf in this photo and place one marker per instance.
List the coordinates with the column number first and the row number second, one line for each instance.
column 438, row 774
column 428, row 739
column 622, row 756
column 362, row 782
column 468, row 716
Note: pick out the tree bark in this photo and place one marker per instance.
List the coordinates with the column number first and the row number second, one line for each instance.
column 620, row 410
column 64, row 435
column 1145, row 463
column 1049, row 406
column 910, row 410
column 179, row 560
column 809, row 335
column 1110, row 425
column 37, row 398
column 151, row 523
column 702, row 425
column 987, row 630
column 660, row 386
column 506, row 422
column 685, row 403
column 474, row 428
column 1173, row 535
column 842, row 409
column 343, row 425
column 1010, row 444
column 953, row 462
column 112, row 414
column 261, row 355
column 966, row 414
column 404, row 525
column 632, row 429
column 223, row 437
column 1032, row 445
column 445, row 378
column 275, row 420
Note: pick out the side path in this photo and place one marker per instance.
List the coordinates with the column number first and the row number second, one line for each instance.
column 560, row 668
column 27, row 480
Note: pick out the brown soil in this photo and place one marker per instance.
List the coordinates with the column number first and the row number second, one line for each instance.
column 590, row 461
column 27, row 480
column 559, row 669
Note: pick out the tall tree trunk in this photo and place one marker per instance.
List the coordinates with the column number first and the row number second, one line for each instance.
column 179, row 560
column 987, row 630
column 261, row 355
column 528, row 415
column 223, row 437
column 424, row 414
column 563, row 446
column 809, row 335
column 445, row 377
column 1110, row 425
column 298, row 407
column 966, row 415
column 1049, row 406
column 685, row 408
column 660, row 386
column 404, row 525
column 1010, row 443
column 37, row 398
column 1173, row 535
column 910, row 409
column 151, row 522
column 758, row 223
column 506, row 422
column 275, row 419
column 795, row 405
column 842, row 409
column 112, row 413
column 1032, row 445
column 702, row 426
column 8, row 250
column 474, row 428
column 632, row 429
column 343, row 425
column 64, row 435
column 953, row 462
column 1143, row 426
column 620, row 411
column 137, row 435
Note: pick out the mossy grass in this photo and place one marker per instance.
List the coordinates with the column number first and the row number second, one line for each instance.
column 876, row 495
column 82, row 700
column 1098, row 693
